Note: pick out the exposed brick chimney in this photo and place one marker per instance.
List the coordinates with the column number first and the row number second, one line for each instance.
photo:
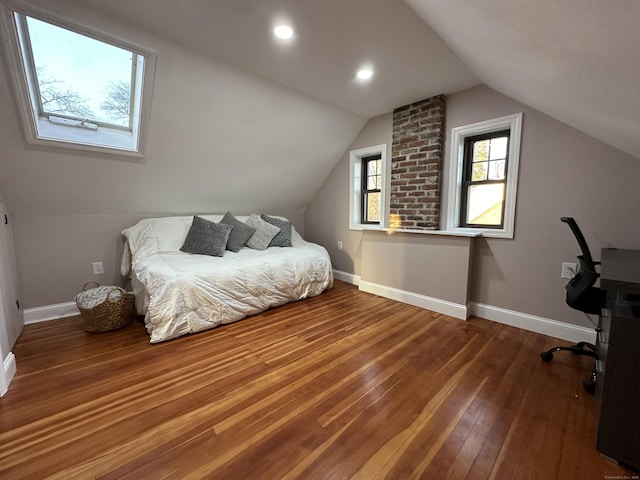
column 416, row 164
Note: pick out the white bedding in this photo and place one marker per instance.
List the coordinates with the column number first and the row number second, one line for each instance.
column 180, row 293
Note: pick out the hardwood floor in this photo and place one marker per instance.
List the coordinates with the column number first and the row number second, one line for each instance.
column 346, row 385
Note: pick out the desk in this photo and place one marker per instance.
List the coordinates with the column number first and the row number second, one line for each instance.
column 620, row 270
column 618, row 365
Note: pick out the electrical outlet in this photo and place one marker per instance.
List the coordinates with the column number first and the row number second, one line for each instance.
column 98, row 268
column 340, row 246
column 569, row 269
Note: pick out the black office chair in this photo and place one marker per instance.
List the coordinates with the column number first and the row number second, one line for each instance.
column 583, row 296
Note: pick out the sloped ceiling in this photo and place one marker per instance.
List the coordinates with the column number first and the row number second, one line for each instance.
column 333, row 38
column 575, row 60
column 258, row 118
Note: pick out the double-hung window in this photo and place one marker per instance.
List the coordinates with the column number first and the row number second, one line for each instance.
column 371, row 189
column 368, row 190
column 484, row 180
column 76, row 88
column 483, row 177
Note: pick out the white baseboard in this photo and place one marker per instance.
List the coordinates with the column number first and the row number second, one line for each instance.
column 417, row 300
column 532, row 323
column 346, row 277
column 8, row 372
column 50, row 312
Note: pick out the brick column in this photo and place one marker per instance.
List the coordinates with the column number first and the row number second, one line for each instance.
column 416, row 164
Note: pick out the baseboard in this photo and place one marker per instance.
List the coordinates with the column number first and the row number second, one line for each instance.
column 346, row 277
column 50, row 312
column 417, row 300
column 8, row 372
column 532, row 323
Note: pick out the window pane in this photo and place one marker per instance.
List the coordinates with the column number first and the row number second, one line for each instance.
column 479, row 171
column 484, row 204
column 498, row 149
column 373, row 207
column 374, row 177
column 496, row 170
column 481, row 150
column 373, row 167
column 79, row 76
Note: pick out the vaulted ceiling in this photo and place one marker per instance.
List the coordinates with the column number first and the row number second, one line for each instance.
column 574, row 60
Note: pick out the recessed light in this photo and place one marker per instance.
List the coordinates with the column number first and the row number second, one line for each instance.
column 364, row 74
column 284, row 32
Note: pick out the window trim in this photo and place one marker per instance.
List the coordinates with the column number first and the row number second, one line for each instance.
column 513, row 123
column 39, row 131
column 355, row 187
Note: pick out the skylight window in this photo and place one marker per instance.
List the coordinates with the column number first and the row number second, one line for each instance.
column 78, row 89
column 80, row 77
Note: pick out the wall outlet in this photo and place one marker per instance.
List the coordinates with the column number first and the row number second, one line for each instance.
column 340, row 246
column 569, row 269
column 98, row 268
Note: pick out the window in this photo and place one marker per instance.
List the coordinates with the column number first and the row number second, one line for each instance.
column 371, row 188
column 483, row 177
column 368, row 178
column 75, row 88
column 483, row 180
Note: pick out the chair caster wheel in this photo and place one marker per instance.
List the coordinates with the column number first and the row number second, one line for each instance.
column 546, row 356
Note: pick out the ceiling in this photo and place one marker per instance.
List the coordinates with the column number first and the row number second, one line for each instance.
column 333, row 38
column 575, row 60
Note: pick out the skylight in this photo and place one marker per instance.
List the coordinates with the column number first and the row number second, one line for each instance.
column 78, row 89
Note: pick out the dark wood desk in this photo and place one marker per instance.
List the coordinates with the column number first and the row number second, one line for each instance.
column 620, row 270
column 618, row 365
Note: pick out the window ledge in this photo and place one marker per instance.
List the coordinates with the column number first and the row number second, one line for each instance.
column 449, row 233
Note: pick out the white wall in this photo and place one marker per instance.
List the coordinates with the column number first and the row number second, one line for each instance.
column 219, row 139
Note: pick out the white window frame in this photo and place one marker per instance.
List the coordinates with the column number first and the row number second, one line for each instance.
column 355, row 188
column 513, row 123
column 40, row 130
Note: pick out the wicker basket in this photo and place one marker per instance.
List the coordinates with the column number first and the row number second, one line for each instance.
column 105, row 308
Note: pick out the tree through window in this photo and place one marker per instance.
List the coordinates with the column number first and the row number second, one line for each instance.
column 75, row 87
column 484, row 180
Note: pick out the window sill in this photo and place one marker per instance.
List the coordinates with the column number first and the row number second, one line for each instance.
column 449, row 233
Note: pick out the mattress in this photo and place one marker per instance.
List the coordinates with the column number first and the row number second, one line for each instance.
column 180, row 293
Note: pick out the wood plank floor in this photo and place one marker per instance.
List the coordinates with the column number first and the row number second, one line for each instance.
column 346, row 385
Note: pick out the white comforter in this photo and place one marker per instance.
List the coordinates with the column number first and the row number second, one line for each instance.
column 181, row 293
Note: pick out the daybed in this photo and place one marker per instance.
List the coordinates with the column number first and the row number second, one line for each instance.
column 180, row 293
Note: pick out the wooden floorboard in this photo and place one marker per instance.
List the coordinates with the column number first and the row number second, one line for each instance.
column 346, row 385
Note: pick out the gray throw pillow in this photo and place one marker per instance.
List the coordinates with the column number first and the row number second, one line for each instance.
column 239, row 235
column 264, row 232
column 283, row 238
column 206, row 238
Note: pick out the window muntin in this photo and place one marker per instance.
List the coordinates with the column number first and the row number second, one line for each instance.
column 484, row 180
column 371, row 188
